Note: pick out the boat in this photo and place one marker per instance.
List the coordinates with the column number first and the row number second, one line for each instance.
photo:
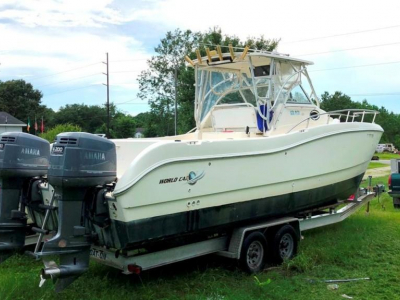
column 262, row 148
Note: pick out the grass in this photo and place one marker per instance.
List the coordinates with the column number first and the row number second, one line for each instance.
column 364, row 245
column 374, row 165
column 387, row 156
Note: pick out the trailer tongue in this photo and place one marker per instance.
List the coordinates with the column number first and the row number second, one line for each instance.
column 78, row 163
column 23, row 159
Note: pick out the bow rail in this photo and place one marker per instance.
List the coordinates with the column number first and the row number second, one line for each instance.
column 349, row 114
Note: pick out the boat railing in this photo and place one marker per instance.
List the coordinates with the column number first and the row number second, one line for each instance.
column 349, row 115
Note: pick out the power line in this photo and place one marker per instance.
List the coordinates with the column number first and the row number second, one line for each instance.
column 68, row 80
column 81, row 67
column 341, row 34
column 130, row 71
column 83, row 87
column 349, row 49
column 129, row 101
column 123, row 83
column 359, row 66
column 124, row 60
column 375, row 94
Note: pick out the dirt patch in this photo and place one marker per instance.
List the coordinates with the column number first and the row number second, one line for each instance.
column 377, row 172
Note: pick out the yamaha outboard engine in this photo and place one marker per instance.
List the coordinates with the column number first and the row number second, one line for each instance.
column 79, row 163
column 22, row 157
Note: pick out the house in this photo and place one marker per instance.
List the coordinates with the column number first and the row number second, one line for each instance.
column 139, row 133
column 8, row 123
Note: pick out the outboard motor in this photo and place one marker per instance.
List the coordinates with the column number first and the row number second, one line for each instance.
column 79, row 163
column 22, row 157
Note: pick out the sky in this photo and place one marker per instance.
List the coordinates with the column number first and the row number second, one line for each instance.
column 60, row 45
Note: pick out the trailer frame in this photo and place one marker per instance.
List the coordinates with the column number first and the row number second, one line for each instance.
column 229, row 245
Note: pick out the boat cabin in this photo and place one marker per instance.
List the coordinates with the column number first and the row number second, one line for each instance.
column 257, row 93
column 239, row 97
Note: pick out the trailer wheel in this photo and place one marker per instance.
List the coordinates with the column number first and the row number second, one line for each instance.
column 396, row 203
column 284, row 244
column 252, row 255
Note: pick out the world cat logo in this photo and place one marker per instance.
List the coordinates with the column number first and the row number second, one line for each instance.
column 191, row 179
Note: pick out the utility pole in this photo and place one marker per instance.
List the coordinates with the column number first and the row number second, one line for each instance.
column 108, row 97
column 176, row 98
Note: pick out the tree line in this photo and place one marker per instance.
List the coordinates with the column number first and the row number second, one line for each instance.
column 389, row 121
column 167, row 78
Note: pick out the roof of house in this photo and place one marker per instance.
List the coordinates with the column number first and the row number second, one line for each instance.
column 7, row 119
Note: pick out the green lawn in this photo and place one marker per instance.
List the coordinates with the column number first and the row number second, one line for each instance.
column 361, row 246
column 387, row 156
column 374, row 165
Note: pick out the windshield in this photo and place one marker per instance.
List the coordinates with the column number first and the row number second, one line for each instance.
column 218, row 87
column 260, row 81
column 297, row 96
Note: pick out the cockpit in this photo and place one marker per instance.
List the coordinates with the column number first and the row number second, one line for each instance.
column 257, row 92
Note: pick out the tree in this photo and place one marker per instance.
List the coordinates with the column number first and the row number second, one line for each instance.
column 51, row 134
column 214, row 37
column 337, row 101
column 21, row 100
column 124, row 126
column 389, row 121
column 89, row 118
column 157, row 84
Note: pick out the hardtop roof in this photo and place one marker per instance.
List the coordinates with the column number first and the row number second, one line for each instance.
column 238, row 63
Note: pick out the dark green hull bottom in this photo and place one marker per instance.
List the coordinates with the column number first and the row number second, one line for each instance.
column 224, row 218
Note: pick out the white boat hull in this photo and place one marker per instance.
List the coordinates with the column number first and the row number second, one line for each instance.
column 237, row 180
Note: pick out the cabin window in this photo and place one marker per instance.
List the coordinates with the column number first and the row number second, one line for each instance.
column 249, row 96
column 307, row 89
column 232, row 98
column 262, row 71
column 217, row 86
column 297, row 96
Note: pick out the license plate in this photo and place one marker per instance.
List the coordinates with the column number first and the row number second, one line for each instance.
column 98, row 254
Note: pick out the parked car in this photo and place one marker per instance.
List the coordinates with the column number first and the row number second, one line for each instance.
column 394, row 182
column 390, row 148
column 380, row 148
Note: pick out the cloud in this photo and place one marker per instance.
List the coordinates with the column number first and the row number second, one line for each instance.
column 43, row 56
column 64, row 13
column 58, row 50
column 45, row 37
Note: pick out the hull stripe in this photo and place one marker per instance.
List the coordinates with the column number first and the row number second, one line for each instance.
column 226, row 217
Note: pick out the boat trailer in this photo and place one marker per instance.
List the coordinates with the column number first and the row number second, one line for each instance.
column 230, row 246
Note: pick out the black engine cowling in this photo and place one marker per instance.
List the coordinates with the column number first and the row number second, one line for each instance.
column 80, row 163
column 22, row 157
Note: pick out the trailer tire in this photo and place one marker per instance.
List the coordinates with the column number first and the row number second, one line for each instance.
column 253, row 253
column 284, row 244
column 396, row 203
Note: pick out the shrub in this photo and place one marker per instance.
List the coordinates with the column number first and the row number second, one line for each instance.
column 51, row 134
